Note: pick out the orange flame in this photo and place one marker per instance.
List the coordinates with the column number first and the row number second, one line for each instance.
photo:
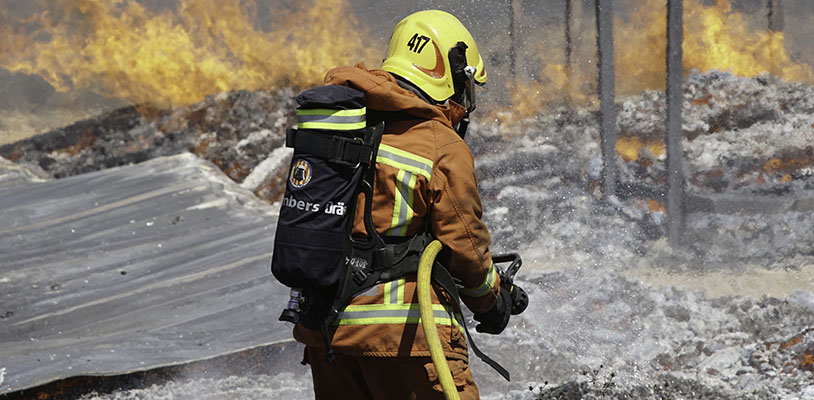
column 628, row 148
column 556, row 83
column 715, row 38
column 122, row 49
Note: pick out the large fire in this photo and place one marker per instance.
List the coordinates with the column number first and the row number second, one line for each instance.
column 715, row 38
column 176, row 56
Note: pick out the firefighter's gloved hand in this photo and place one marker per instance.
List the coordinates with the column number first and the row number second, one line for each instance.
column 520, row 300
column 495, row 320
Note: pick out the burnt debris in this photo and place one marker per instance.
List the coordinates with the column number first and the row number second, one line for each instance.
column 236, row 131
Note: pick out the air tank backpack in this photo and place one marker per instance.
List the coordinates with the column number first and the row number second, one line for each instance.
column 333, row 161
column 315, row 251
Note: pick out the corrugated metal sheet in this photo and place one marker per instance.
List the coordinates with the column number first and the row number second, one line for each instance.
column 132, row 268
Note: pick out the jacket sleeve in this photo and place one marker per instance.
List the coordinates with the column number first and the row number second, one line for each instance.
column 455, row 220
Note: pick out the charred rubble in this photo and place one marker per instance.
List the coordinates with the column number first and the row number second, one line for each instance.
column 742, row 135
column 745, row 138
column 751, row 135
column 236, row 131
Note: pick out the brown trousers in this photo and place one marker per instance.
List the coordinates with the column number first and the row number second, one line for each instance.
column 387, row 378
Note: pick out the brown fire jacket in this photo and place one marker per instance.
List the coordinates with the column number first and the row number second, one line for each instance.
column 424, row 172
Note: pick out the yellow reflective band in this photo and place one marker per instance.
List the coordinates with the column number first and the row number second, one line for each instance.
column 410, row 166
column 341, row 126
column 342, row 120
column 388, row 288
column 399, row 207
column 394, row 295
column 485, row 287
column 404, row 160
column 403, row 203
column 329, row 112
column 408, row 217
column 374, row 314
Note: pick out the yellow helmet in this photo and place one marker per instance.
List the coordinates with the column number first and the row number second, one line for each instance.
column 420, row 52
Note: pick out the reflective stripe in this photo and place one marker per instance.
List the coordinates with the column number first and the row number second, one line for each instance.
column 331, row 125
column 410, row 167
column 356, row 112
column 404, row 160
column 388, row 296
column 332, row 119
column 394, row 295
column 403, row 204
column 343, row 120
column 373, row 314
column 371, row 291
column 485, row 287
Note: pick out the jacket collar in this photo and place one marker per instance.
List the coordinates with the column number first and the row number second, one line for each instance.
column 383, row 93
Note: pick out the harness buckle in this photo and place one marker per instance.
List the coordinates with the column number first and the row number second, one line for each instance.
column 357, row 266
column 359, row 276
column 343, row 143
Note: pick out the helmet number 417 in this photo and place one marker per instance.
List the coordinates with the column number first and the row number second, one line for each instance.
column 417, row 43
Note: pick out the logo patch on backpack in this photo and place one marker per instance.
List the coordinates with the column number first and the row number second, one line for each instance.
column 300, row 174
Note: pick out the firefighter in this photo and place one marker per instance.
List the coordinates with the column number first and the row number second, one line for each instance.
column 424, row 180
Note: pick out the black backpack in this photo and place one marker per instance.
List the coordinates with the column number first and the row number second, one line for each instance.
column 333, row 161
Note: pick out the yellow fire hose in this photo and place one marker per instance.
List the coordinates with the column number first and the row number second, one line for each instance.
column 428, row 320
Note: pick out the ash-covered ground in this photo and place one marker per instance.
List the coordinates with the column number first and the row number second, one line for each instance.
column 616, row 312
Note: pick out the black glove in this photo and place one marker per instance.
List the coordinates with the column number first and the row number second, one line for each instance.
column 495, row 320
column 512, row 300
column 520, row 300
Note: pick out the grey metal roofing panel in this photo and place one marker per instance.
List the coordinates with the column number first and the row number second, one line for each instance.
column 132, row 268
